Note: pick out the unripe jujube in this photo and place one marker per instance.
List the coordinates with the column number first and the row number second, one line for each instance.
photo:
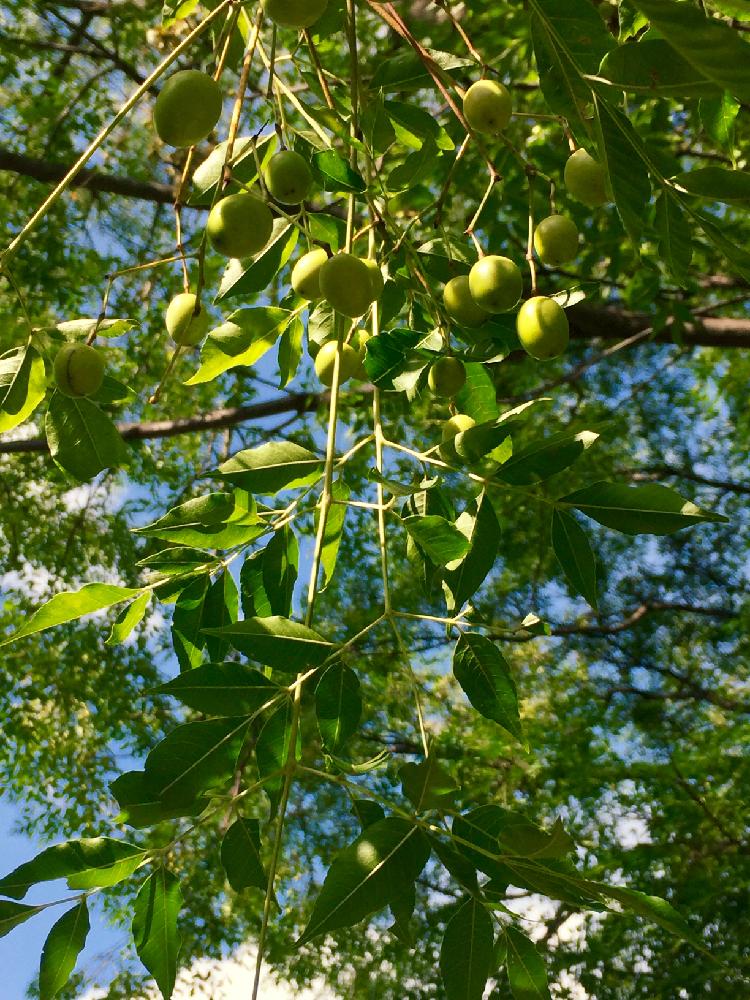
column 326, row 357
column 184, row 325
column 376, row 278
column 79, row 370
column 288, row 177
column 496, row 284
column 460, row 305
column 586, row 179
column 187, row 108
column 447, row 377
column 294, row 13
column 543, row 328
column 488, row 106
column 240, row 225
column 306, row 274
column 346, row 283
column 456, row 425
column 556, row 240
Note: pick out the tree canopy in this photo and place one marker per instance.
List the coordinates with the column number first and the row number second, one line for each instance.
column 388, row 617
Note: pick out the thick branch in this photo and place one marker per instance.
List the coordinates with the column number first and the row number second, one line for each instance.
column 656, row 472
column 608, row 323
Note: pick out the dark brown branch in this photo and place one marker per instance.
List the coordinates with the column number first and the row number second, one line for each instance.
column 608, row 323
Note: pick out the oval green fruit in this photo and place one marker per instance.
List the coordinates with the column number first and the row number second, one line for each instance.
column 187, row 108
column 496, row 284
column 346, row 283
column 306, row 274
column 460, row 305
column 447, row 377
column 377, row 282
column 186, row 327
column 326, row 356
column 295, row 13
column 543, row 328
column 359, row 343
column 456, row 425
column 288, row 177
column 586, row 179
column 556, row 240
column 488, row 106
column 240, row 225
column 79, row 370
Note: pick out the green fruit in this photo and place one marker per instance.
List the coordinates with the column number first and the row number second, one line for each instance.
column 187, row 108
column 359, row 343
column 79, row 370
column 488, row 106
column 324, row 361
column 240, row 225
column 447, row 377
column 543, row 328
column 184, row 325
column 306, row 275
column 294, row 13
column 556, row 240
column 459, row 304
column 495, row 284
column 346, row 283
column 456, row 425
column 376, row 278
column 586, row 179
column 288, row 177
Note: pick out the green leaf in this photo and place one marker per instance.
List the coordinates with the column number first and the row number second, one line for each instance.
column 290, row 351
column 491, row 438
column 13, row 914
column 71, row 605
column 176, row 10
column 240, row 855
column 280, row 566
column 709, row 45
column 86, row 864
column 478, row 397
column 244, row 171
column 545, row 458
column 628, row 175
column 489, row 836
column 272, row 467
column 368, row 874
column 481, row 670
column 249, row 277
column 79, row 329
column 427, row 785
column 652, row 66
column 412, row 125
column 716, row 184
column 213, row 521
column 575, row 555
column 479, row 525
column 440, row 540
column 367, row 812
column 388, row 355
column 157, row 940
column 23, row 383
column 638, row 510
column 333, row 531
column 222, row 689
column 82, row 439
column 467, row 952
column 140, row 805
column 336, row 174
column 675, row 235
column 255, row 603
column 220, row 609
column 187, row 639
column 278, row 642
column 463, row 872
column 526, row 970
column 272, row 751
column 64, row 944
column 128, row 619
column 240, row 341
column 652, row 908
column 718, row 117
column 194, row 759
column 338, row 706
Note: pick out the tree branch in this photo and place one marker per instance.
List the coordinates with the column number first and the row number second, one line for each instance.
column 657, row 472
column 608, row 323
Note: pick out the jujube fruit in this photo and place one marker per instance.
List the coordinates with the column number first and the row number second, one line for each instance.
column 187, row 108
column 488, row 106
column 543, row 328
column 288, row 177
column 586, row 179
column 556, row 240
column 447, row 377
column 306, row 274
column 240, row 225
column 184, row 325
column 294, row 13
column 460, row 305
column 359, row 343
column 456, row 425
column 346, row 283
column 496, row 284
column 326, row 357
column 79, row 370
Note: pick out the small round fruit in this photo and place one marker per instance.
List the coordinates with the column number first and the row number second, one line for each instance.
column 376, row 278
column 79, row 370
column 543, row 328
column 326, row 356
column 456, row 425
column 556, row 240
column 488, row 106
column 496, row 284
column 306, row 274
column 288, row 177
column 586, row 179
column 240, row 225
column 187, row 108
column 359, row 343
column 447, row 377
column 294, row 13
column 346, row 283
column 459, row 304
column 186, row 327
